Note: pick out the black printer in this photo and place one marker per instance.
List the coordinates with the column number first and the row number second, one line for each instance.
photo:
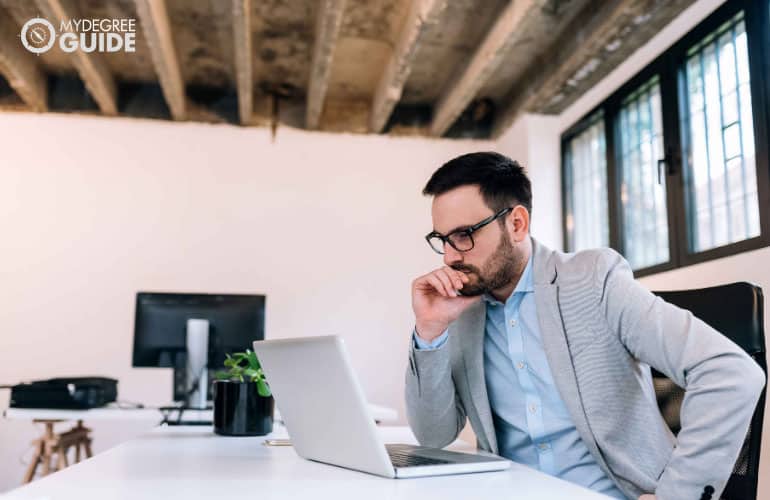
column 76, row 393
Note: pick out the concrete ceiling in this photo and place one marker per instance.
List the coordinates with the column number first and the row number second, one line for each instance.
column 427, row 67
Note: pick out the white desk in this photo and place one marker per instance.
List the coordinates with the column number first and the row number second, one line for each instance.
column 112, row 412
column 193, row 463
column 52, row 449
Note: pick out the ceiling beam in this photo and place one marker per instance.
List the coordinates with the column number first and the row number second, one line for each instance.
column 90, row 66
column 327, row 29
column 153, row 16
column 496, row 46
column 422, row 14
column 20, row 67
column 591, row 46
column 243, row 56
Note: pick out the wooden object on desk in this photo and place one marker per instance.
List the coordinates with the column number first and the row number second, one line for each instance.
column 51, row 445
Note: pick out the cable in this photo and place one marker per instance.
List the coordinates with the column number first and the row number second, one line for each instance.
column 166, row 412
column 128, row 405
column 197, row 382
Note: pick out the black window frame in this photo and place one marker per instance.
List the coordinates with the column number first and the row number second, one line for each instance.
column 667, row 67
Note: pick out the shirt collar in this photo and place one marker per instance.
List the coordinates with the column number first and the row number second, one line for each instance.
column 524, row 285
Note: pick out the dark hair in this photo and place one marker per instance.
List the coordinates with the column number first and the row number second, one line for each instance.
column 502, row 181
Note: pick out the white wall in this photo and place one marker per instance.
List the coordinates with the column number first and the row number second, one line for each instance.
column 523, row 141
column 93, row 210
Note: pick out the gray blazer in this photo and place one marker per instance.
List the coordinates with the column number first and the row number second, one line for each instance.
column 601, row 332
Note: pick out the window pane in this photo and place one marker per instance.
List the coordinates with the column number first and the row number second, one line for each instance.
column 586, row 188
column 718, row 140
column 642, row 192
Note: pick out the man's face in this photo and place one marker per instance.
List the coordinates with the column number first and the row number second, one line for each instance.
column 493, row 262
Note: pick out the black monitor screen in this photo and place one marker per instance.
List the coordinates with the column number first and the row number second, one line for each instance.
column 160, row 326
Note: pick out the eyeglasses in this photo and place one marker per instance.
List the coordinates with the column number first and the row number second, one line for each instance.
column 461, row 239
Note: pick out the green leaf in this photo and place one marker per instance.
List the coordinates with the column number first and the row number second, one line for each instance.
column 253, row 361
column 241, row 365
column 263, row 389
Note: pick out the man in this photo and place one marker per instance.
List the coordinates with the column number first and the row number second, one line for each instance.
column 548, row 353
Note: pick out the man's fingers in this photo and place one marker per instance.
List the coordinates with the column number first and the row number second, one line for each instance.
column 458, row 278
column 449, row 283
column 438, row 285
column 456, row 274
column 446, row 281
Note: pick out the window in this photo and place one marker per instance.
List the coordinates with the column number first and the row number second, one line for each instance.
column 586, row 174
column 642, row 188
column 674, row 168
column 718, row 135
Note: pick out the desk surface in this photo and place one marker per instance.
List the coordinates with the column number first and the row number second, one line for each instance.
column 192, row 463
column 113, row 412
column 103, row 413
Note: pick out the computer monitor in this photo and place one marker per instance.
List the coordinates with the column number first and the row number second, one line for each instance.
column 161, row 323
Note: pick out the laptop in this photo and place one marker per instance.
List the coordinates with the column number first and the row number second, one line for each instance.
column 324, row 410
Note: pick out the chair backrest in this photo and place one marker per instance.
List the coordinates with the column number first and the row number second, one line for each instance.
column 735, row 310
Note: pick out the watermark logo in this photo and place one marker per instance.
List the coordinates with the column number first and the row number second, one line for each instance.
column 38, row 35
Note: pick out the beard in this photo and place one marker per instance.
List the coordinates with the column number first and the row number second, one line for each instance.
column 498, row 271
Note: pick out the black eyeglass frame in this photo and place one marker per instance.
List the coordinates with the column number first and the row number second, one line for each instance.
column 468, row 231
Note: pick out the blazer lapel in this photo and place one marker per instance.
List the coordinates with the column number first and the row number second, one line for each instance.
column 470, row 329
column 555, row 344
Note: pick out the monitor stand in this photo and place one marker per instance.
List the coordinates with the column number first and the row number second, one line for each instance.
column 196, row 369
column 180, row 384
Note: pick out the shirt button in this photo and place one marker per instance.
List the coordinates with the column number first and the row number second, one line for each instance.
column 521, row 365
column 543, row 446
column 513, row 322
column 533, row 408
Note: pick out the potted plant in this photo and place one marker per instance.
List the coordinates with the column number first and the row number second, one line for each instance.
column 243, row 403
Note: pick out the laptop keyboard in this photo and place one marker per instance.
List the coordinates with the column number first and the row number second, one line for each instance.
column 400, row 457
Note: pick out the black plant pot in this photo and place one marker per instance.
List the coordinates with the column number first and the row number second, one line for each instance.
column 239, row 410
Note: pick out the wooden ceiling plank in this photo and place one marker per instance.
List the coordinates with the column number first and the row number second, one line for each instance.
column 20, row 67
column 488, row 56
column 92, row 70
column 244, row 77
column 594, row 22
column 327, row 30
column 153, row 16
column 421, row 16
column 575, row 49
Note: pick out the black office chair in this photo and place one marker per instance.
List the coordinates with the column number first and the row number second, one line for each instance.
column 736, row 310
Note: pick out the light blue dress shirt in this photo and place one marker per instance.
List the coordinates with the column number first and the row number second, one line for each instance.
column 532, row 424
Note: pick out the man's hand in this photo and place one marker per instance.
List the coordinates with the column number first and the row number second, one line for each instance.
column 647, row 497
column 436, row 302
